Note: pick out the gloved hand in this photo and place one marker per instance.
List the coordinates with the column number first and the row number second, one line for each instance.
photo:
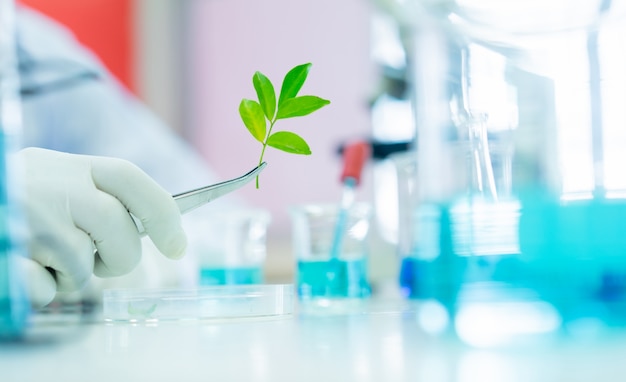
column 77, row 213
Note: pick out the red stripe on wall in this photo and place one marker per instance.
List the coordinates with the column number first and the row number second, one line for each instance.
column 105, row 26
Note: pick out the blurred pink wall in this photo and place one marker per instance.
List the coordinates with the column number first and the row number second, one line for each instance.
column 229, row 41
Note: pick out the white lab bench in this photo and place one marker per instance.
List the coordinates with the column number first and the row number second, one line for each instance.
column 381, row 342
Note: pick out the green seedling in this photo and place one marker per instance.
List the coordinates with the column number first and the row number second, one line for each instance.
column 141, row 310
column 257, row 114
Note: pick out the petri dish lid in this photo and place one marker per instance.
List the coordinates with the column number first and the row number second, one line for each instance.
column 208, row 302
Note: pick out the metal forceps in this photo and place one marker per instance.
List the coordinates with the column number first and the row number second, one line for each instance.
column 190, row 200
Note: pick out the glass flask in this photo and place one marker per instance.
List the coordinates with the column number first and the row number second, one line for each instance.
column 519, row 217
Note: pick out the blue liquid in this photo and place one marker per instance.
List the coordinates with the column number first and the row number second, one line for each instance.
column 409, row 277
column 570, row 254
column 333, row 278
column 576, row 257
column 14, row 306
column 229, row 276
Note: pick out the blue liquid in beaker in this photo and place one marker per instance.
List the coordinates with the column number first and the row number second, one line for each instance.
column 575, row 256
column 229, row 276
column 333, row 278
column 570, row 254
column 409, row 275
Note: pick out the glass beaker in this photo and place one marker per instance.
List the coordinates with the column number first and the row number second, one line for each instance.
column 235, row 249
column 521, row 139
column 322, row 274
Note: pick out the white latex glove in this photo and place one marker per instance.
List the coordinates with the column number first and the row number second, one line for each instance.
column 76, row 205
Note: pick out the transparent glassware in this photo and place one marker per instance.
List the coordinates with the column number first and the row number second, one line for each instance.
column 520, row 199
column 14, row 304
column 235, row 248
column 320, row 274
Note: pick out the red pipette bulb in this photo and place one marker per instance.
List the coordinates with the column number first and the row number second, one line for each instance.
column 355, row 155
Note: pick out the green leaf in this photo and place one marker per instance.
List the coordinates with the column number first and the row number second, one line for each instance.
column 300, row 106
column 292, row 83
column 289, row 142
column 253, row 117
column 265, row 93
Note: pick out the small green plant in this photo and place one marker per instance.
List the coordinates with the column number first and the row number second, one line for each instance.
column 141, row 310
column 257, row 114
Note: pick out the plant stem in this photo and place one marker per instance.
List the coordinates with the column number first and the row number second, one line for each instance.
column 269, row 132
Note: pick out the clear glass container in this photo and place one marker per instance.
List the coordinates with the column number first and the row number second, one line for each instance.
column 14, row 304
column 235, row 248
column 519, row 221
column 325, row 273
column 216, row 302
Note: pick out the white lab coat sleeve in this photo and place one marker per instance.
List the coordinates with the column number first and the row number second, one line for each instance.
column 94, row 114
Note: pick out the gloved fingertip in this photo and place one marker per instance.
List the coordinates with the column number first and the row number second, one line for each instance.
column 43, row 293
column 41, row 286
column 177, row 246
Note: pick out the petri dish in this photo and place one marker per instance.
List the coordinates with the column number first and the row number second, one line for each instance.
column 202, row 303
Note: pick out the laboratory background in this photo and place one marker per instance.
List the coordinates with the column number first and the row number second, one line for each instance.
column 192, row 62
column 461, row 216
